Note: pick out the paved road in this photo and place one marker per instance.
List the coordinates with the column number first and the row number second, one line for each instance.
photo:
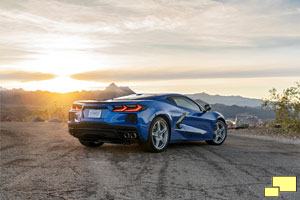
column 41, row 161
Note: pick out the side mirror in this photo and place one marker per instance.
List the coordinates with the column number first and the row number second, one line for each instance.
column 207, row 107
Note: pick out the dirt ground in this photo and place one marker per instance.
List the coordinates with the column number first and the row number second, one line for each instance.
column 271, row 132
column 42, row 161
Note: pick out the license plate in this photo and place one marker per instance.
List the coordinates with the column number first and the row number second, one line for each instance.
column 93, row 113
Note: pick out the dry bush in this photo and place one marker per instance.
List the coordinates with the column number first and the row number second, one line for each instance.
column 286, row 106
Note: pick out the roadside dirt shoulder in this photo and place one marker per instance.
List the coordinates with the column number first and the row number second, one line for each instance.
column 259, row 134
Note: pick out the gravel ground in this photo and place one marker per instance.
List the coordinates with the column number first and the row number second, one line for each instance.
column 269, row 132
column 42, row 161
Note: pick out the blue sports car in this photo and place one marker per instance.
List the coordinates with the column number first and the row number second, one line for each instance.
column 152, row 120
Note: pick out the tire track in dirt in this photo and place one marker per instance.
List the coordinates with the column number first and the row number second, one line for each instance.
column 224, row 168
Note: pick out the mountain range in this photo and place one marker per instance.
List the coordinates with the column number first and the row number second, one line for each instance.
column 44, row 98
column 227, row 100
column 229, row 106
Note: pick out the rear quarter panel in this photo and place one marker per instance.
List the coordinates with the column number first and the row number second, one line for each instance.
column 154, row 109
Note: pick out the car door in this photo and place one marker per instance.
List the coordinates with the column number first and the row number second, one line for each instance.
column 196, row 122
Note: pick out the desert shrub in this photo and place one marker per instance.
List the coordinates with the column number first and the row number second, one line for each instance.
column 286, row 106
column 58, row 112
column 243, row 126
column 53, row 111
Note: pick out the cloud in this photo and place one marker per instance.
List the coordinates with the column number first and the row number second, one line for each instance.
column 173, row 74
column 202, row 23
column 11, row 52
column 23, row 76
column 151, row 31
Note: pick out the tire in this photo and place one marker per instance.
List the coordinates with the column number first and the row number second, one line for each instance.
column 220, row 133
column 158, row 136
column 91, row 143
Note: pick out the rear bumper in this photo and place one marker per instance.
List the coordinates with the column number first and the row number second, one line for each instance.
column 100, row 131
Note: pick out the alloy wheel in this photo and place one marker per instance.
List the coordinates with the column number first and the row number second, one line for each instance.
column 219, row 133
column 160, row 134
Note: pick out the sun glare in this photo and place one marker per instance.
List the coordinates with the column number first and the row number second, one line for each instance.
column 63, row 84
column 65, row 55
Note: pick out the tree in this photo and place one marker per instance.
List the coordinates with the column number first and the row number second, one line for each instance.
column 286, row 106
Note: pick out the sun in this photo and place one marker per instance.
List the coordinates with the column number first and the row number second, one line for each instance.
column 63, row 84
column 64, row 55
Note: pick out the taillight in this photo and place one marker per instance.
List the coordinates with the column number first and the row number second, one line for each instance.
column 128, row 108
column 76, row 107
column 119, row 108
column 133, row 108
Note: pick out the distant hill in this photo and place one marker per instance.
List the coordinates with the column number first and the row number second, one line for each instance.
column 232, row 111
column 3, row 89
column 227, row 100
column 21, row 105
column 38, row 98
column 113, row 91
column 18, row 103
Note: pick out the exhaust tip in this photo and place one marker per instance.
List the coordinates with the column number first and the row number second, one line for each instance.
column 133, row 135
column 130, row 135
column 126, row 135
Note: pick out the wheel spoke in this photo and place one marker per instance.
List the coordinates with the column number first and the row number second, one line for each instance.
column 165, row 138
column 157, row 140
column 220, row 126
column 158, row 125
column 222, row 134
column 217, row 138
column 164, row 130
column 155, row 133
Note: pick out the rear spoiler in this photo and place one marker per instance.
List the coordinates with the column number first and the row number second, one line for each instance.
column 108, row 101
column 92, row 102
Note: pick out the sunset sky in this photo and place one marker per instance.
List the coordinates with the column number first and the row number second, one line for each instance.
column 218, row 47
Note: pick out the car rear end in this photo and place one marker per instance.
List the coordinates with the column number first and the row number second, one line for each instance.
column 110, row 121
